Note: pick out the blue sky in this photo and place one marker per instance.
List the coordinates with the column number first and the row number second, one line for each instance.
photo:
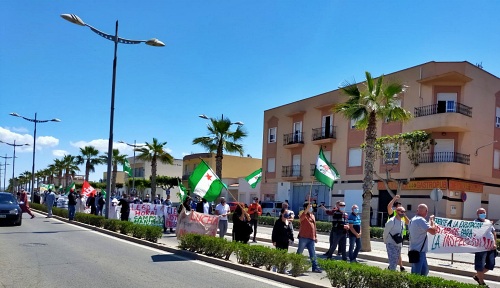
column 236, row 58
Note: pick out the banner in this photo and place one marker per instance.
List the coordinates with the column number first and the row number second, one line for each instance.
column 197, row 223
column 146, row 214
column 170, row 217
column 460, row 236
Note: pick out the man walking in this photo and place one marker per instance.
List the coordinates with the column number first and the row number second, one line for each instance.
column 255, row 210
column 307, row 235
column 354, row 221
column 484, row 261
column 419, row 227
column 393, row 237
column 125, row 209
column 50, row 199
column 222, row 209
column 339, row 230
column 391, row 212
column 71, row 205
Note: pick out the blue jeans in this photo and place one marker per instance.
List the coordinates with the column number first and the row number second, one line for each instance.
column 353, row 252
column 223, row 228
column 309, row 244
column 71, row 212
column 421, row 267
column 340, row 239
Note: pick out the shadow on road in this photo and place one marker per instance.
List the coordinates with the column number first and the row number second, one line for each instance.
column 167, row 257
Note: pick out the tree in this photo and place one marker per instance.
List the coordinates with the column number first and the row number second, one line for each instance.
column 70, row 167
column 89, row 156
column 116, row 159
column 154, row 152
column 221, row 139
column 58, row 168
column 377, row 100
column 167, row 183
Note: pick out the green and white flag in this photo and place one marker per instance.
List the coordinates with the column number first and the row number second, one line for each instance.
column 204, row 183
column 69, row 188
column 182, row 191
column 127, row 168
column 254, row 178
column 324, row 171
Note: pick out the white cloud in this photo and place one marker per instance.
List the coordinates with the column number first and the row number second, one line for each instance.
column 18, row 129
column 59, row 153
column 9, row 136
column 102, row 146
column 46, row 141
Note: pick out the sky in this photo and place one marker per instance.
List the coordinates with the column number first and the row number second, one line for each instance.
column 227, row 58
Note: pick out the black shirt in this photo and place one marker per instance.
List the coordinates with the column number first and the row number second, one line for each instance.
column 71, row 199
column 125, row 205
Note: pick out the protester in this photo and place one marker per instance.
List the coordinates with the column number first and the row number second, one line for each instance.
column 339, row 230
column 91, row 203
column 147, row 199
column 113, row 211
column 71, row 205
column 167, row 203
column 393, row 237
column 157, row 199
column 125, row 207
column 80, row 204
column 24, row 204
column 307, row 235
column 50, row 199
column 222, row 209
column 354, row 221
column 419, row 228
column 282, row 233
column 255, row 210
column 484, row 261
column 391, row 212
column 100, row 204
column 241, row 224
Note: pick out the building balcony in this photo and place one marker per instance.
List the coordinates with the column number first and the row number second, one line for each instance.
column 445, row 157
column 291, row 173
column 443, row 108
column 324, row 135
column 293, row 140
column 440, row 118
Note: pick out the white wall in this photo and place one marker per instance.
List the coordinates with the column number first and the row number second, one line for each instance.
column 283, row 192
column 471, row 205
column 352, row 197
column 493, row 213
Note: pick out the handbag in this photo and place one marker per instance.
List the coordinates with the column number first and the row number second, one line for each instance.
column 414, row 255
column 398, row 238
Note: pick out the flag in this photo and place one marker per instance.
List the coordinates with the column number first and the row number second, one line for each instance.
column 204, row 183
column 71, row 187
column 88, row 190
column 254, row 178
column 127, row 168
column 182, row 191
column 60, row 188
column 324, row 171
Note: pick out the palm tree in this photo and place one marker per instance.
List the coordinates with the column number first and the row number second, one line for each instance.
column 58, row 168
column 116, row 159
column 377, row 100
column 154, row 152
column 25, row 178
column 221, row 139
column 90, row 156
column 70, row 167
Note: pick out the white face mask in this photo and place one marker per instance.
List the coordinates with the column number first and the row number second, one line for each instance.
column 311, row 209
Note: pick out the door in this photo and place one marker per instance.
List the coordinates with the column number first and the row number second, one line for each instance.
column 297, row 132
column 444, row 150
column 446, row 102
column 326, row 128
column 296, row 165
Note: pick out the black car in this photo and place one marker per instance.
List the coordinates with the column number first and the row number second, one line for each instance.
column 10, row 212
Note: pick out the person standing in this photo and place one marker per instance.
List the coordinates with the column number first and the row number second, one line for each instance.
column 50, row 199
column 100, row 204
column 393, row 237
column 222, row 209
column 91, row 204
column 391, row 212
column 24, row 204
column 419, row 227
column 282, row 233
column 241, row 224
column 71, row 205
column 255, row 210
column 80, row 204
column 484, row 261
column 354, row 221
column 307, row 235
column 339, row 230
column 125, row 207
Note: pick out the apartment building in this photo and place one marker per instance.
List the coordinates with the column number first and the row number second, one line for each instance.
column 457, row 102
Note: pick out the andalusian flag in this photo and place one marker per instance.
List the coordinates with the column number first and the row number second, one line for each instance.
column 182, row 191
column 71, row 187
column 127, row 168
column 204, row 183
column 254, row 178
column 324, row 171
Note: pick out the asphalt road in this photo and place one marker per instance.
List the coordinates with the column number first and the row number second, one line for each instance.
column 49, row 253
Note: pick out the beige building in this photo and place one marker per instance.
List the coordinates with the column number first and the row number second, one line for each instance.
column 459, row 103
column 234, row 170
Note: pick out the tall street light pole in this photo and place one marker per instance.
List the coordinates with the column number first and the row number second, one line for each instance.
column 152, row 42
column 133, row 170
column 5, row 169
column 14, row 161
column 34, row 120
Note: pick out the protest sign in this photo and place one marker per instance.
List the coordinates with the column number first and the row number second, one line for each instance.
column 170, row 217
column 197, row 223
column 146, row 214
column 460, row 236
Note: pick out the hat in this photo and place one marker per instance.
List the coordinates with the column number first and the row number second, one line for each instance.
column 255, row 198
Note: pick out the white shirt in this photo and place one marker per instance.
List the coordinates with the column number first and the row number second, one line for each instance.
column 223, row 210
column 206, row 207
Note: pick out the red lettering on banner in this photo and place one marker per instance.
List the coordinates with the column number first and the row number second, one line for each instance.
column 203, row 218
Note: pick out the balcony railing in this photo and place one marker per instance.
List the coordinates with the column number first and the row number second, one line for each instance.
column 447, row 107
column 439, row 157
column 291, row 171
column 328, row 132
column 293, row 138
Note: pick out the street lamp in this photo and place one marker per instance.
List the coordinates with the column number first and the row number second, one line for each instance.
column 35, row 120
column 5, row 169
column 152, row 42
column 14, row 160
column 133, row 170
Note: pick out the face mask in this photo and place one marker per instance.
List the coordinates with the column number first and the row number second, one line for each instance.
column 401, row 215
column 482, row 216
column 356, row 210
column 311, row 209
column 341, row 209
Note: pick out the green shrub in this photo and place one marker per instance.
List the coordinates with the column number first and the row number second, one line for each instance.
column 269, row 256
column 153, row 233
column 111, row 224
column 242, row 253
column 138, row 231
column 299, row 263
column 376, row 232
column 281, row 260
column 96, row 220
column 126, row 227
column 257, row 255
column 39, row 207
column 228, row 248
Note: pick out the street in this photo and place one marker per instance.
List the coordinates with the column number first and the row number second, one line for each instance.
column 50, row 253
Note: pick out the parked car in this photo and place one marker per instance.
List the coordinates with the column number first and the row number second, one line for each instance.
column 271, row 208
column 497, row 228
column 10, row 212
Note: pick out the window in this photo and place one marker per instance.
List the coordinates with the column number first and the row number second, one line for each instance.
column 271, row 164
column 297, row 132
column 354, row 157
column 446, row 102
column 272, row 135
column 496, row 159
column 497, row 118
column 391, row 154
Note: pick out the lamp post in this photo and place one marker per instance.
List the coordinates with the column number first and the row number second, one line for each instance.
column 14, row 160
column 5, row 169
column 152, row 42
column 34, row 120
column 133, row 170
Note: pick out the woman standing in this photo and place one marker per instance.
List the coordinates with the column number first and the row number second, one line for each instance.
column 23, row 203
column 241, row 224
column 282, row 233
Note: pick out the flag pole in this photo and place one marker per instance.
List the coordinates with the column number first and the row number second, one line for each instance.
column 310, row 190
